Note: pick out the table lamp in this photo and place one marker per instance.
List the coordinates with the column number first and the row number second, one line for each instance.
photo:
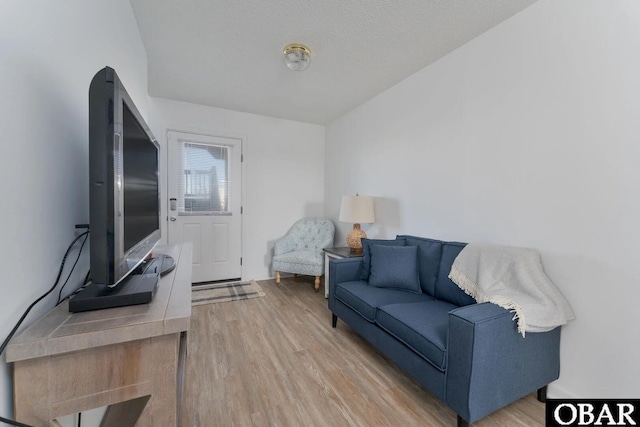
column 357, row 210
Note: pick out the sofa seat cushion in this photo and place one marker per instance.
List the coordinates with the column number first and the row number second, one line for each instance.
column 421, row 326
column 365, row 299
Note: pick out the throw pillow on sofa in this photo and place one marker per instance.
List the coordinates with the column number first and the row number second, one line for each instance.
column 366, row 254
column 395, row 267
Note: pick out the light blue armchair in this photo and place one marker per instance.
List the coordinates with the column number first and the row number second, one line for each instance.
column 300, row 250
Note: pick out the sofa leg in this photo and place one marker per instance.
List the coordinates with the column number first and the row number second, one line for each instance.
column 542, row 394
column 462, row 422
column 278, row 278
column 334, row 320
column 317, row 283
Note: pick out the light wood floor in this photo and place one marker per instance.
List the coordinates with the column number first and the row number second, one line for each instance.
column 276, row 361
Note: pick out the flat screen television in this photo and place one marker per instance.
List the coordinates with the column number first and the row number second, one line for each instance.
column 124, row 197
column 124, row 201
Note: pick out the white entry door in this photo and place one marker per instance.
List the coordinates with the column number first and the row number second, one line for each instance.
column 204, row 193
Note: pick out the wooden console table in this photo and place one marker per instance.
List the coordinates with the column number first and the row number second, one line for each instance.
column 130, row 359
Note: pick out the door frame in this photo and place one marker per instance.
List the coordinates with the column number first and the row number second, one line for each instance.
column 243, row 189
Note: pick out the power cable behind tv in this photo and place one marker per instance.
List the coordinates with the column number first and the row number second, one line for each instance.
column 33, row 304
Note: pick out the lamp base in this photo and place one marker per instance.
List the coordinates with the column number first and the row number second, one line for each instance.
column 354, row 239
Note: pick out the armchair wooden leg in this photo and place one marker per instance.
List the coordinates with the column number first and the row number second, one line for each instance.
column 317, row 283
column 278, row 278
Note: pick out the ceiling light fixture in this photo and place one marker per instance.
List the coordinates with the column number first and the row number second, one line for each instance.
column 297, row 56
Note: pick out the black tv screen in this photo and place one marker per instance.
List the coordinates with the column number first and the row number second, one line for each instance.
column 124, row 192
column 140, row 172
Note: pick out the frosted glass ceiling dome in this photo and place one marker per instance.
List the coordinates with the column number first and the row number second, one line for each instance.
column 297, row 56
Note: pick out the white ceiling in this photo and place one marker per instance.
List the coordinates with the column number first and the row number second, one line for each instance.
column 228, row 53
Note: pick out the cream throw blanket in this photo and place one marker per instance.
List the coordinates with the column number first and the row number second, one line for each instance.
column 514, row 279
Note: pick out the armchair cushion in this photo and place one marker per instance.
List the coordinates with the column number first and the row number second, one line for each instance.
column 300, row 262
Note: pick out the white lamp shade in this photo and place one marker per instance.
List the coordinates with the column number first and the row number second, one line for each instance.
column 357, row 210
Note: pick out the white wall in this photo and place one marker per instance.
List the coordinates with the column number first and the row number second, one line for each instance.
column 283, row 164
column 526, row 136
column 49, row 51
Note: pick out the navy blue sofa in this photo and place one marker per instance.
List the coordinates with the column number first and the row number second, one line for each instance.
column 468, row 355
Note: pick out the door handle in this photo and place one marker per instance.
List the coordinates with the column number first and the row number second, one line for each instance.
column 172, row 218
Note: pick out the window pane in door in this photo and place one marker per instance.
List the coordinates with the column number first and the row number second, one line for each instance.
column 205, row 186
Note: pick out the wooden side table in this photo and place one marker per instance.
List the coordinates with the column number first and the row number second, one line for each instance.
column 131, row 359
column 336, row 253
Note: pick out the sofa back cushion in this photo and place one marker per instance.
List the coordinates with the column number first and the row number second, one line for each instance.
column 429, row 254
column 435, row 259
column 366, row 253
column 446, row 290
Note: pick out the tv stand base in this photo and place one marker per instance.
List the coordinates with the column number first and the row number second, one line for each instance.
column 137, row 289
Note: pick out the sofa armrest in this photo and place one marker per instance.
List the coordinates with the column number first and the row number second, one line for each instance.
column 342, row 270
column 490, row 364
column 345, row 269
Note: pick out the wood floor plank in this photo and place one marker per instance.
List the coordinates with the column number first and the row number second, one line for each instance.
column 276, row 361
